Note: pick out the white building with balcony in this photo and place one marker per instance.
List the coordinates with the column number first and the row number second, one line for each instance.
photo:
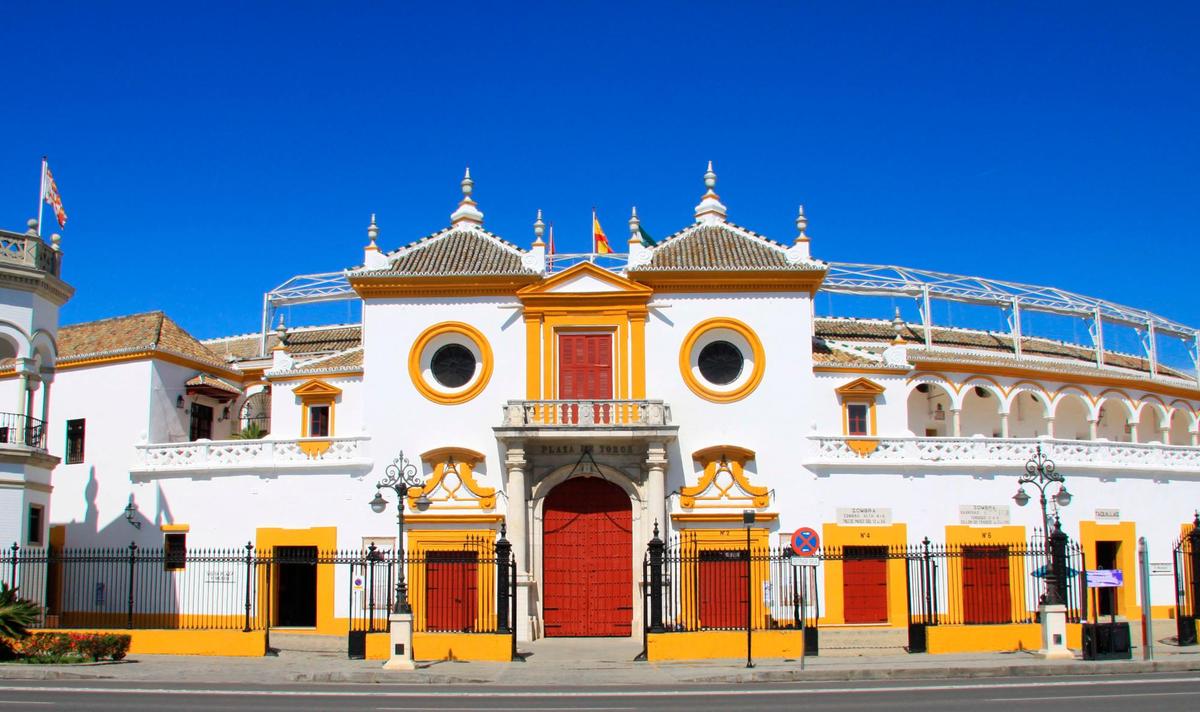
column 581, row 401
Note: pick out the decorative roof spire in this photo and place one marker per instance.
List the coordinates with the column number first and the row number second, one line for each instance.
column 710, row 208
column 635, row 227
column 801, row 226
column 897, row 325
column 281, row 334
column 372, row 234
column 539, row 229
column 467, row 211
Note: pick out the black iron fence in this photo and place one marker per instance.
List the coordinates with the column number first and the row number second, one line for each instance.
column 692, row 585
column 1187, row 583
column 468, row 587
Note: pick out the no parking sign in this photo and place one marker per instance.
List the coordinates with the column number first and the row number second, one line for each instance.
column 805, row 541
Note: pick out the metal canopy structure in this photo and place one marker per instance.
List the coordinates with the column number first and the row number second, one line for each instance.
column 863, row 280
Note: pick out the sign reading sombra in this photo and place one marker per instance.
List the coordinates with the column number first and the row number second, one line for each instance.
column 984, row 515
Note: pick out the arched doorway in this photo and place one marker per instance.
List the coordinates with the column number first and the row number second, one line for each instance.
column 587, row 545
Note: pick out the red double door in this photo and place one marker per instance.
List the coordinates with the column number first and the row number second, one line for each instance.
column 585, row 372
column 587, row 554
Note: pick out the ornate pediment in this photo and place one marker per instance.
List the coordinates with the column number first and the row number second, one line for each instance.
column 724, row 483
column 452, row 485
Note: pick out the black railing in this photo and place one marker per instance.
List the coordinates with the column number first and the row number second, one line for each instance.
column 458, row 589
column 1187, row 583
column 17, row 429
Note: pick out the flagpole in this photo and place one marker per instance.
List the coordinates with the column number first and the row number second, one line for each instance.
column 592, row 257
column 41, row 197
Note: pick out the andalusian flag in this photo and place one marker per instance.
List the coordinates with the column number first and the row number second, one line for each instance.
column 599, row 241
column 646, row 239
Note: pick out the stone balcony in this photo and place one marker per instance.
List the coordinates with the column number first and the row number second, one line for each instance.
column 29, row 251
column 266, row 456
column 647, row 419
column 982, row 452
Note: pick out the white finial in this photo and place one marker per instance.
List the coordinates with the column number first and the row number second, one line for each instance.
column 281, row 334
column 898, row 326
column 710, row 209
column 635, row 227
column 56, row 242
column 539, row 229
column 801, row 226
column 32, row 224
column 372, row 231
column 467, row 211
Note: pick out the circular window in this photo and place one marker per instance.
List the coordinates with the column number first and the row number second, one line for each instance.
column 450, row 363
column 453, row 365
column 722, row 360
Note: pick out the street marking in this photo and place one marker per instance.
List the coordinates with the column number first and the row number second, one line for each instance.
column 1091, row 697
column 14, row 702
column 376, row 693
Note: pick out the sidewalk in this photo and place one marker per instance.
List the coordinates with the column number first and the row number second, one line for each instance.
column 575, row 662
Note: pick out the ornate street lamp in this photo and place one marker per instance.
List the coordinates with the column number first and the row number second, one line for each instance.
column 400, row 477
column 1041, row 472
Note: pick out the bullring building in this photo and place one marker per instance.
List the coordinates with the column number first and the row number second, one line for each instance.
column 586, row 403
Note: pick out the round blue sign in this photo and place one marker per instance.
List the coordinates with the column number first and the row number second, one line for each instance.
column 805, row 541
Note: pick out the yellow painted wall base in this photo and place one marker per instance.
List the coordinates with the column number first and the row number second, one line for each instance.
column 233, row 643
column 480, row 647
column 705, row 645
column 378, row 645
column 991, row 638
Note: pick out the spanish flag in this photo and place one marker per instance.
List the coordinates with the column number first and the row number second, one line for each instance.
column 599, row 241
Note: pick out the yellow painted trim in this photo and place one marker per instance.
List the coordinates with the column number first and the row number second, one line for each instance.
column 863, row 447
column 637, row 360
column 324, row 539
column 316, row 388
column 717, row 644
column 886, row 370
column 479, row 647
column 533, row 356
column 175, row 528
column 316, row 448
column 232, row 643
column 732, row 460
column 464, row 468
column 210, row 369
column 415, row 362
column 417, row 518
column 352, row 373
column 1091, row 532
column 314, row 393
column 1003, row 638
column 728, row 517
column 1061, row 376
column 449, row 286
column 705, row 391
column 708, row 282
column 835, row 535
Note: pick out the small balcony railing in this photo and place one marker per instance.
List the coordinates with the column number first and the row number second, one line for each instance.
column 586, row 413
column 926, row 451
column 266, row 454
column 29, row 251
column 17, row 429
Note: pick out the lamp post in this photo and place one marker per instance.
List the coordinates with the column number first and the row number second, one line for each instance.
column 1041, row 472
column 400, row 477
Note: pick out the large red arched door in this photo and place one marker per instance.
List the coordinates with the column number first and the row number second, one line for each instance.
column 587, row 550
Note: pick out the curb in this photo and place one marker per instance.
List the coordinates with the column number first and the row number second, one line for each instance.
column 949, row 673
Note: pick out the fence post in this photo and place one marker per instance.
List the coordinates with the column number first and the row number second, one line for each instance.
column 13, row 580
column 1194, row 555
column 657, row 547
column 132, row 568
column 1058, row 566
column 503, row 554
column 372, row 556
column 249, row 576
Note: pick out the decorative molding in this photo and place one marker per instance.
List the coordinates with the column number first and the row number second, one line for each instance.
column 453, row 472
column 723, row 484
column 417, row 358
column 706, row 391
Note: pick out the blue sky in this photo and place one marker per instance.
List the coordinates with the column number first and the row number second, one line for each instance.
column 205, row 153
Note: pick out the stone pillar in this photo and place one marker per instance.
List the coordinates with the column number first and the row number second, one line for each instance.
column 517, row 520
column 1193, row 437
column 1133, row 433
column 1004, row 425
column 1093, row 429
column 24, row 371
column 1164, row 434
column 45, row 416
column 1049, row 427
column 656, row 487
column 956, row 422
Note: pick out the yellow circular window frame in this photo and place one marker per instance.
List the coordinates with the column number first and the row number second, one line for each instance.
column 702, row 389
column 471, row 334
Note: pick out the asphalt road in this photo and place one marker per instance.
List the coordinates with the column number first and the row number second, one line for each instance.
column 1094, row 694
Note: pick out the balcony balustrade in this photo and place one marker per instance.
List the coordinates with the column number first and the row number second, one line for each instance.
column 266, row 454
column 22, row 430
column 983, row 451
column 568, row 414
column 28, row 251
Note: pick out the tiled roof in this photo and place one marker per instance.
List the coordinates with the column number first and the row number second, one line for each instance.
column 302, row 340
column 832, row 353
column 203, row 379
column 721, row 247
column 151, row 331
column 947, row 340
column 349, row 360
column 455, row 251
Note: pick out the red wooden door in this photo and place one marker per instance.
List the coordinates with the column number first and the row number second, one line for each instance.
column 985, row 585
column 724, row 592
column 587, row 554
column 864, row 584
column 451, row 590
column 585, row 366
